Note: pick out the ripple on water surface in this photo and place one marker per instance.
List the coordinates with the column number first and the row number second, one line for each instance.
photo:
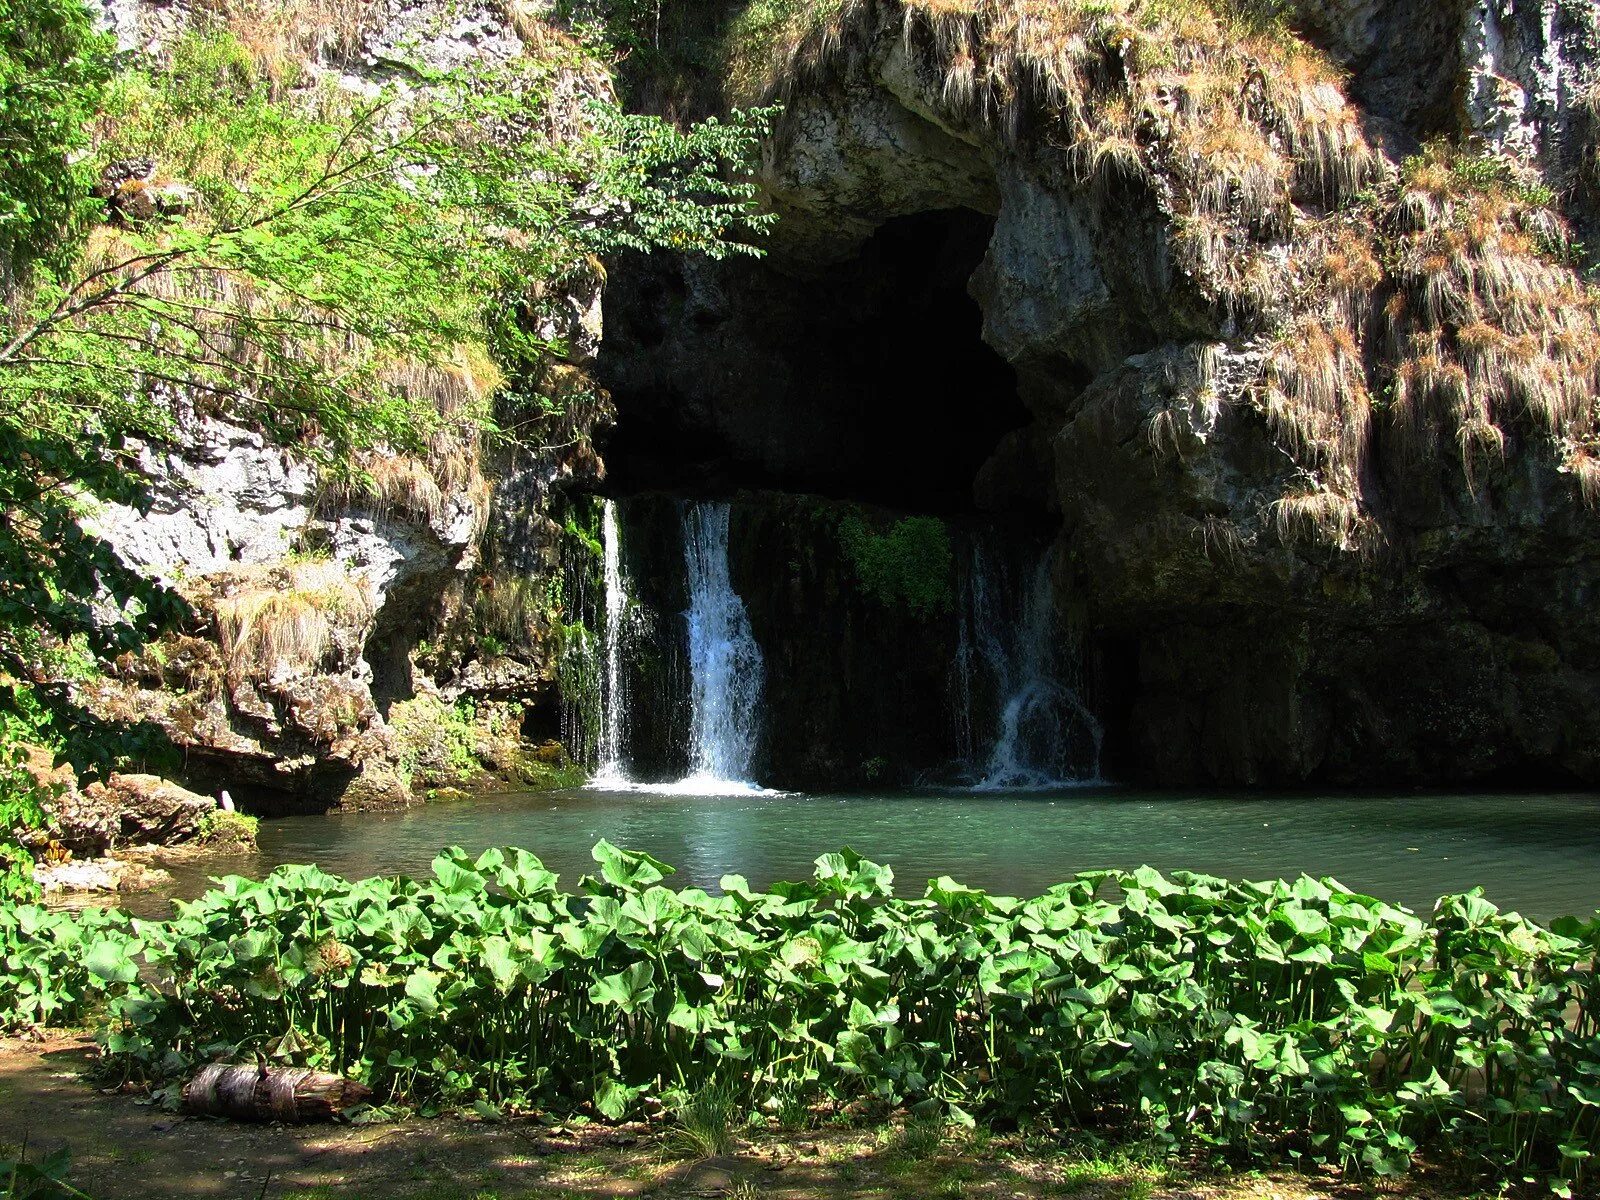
column 1539, row 854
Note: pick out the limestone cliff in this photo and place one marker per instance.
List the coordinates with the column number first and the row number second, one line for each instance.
column 1287, row 331
column 1281, row 334
column 321, row 603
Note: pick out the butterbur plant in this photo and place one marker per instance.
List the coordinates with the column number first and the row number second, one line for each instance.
column 1284, row 1021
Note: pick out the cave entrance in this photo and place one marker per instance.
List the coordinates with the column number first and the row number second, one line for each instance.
column 864, row 380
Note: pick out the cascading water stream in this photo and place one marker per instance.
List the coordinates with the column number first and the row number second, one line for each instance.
column 725, row 663
column 1043, row 734
column 613, row 692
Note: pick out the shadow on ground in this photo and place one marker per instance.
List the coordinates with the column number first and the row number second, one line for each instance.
column 126, row 1148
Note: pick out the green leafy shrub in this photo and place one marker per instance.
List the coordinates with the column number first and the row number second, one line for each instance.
column 53, row 69
column 21, row 813
column 341, row 271
column 907, row 566
column 1283, row 1020
column 55, row 966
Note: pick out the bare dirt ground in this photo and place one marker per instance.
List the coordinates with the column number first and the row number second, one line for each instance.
column 126, row 1148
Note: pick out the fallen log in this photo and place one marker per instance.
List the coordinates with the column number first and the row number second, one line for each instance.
column 251, row 1092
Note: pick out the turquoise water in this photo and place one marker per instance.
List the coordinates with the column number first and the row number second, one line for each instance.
column 1539, row 854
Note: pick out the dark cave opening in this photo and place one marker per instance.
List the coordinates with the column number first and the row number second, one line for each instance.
column 869, row 381
column 799, row 394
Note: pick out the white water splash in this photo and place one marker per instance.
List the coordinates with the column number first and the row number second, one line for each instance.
column 725, row 664
column 612, row 772
column 1044, row 735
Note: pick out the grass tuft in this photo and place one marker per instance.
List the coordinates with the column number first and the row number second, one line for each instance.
column 704, row 1123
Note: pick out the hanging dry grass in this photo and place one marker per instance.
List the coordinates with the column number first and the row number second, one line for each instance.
column 1487, row 326
column 282, row 620
column 283, row 36
column 1220, row 541
column 1314, row 392
column 513, row 608
column 1237, row 114
column 245, row 338
column 1352, row 270
column 1583, row 464
column 1481, row 443
column 1444, row 285
column 1589, row 107
column 1319, row 517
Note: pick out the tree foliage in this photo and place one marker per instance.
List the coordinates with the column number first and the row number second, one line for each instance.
column 52, row 69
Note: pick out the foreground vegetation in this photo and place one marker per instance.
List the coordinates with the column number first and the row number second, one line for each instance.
column 1293, row 1022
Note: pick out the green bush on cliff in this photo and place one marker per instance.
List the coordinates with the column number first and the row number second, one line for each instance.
column 1268, row 1021
column 907, row 566
column 437, row 742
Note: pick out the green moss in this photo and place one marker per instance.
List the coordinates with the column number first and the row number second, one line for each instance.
column 437, row 742
column 538, row 776
column 909, row 565
column 224, row 828
column 584, row 528
column 578, row 679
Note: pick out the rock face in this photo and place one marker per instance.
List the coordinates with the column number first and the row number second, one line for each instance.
column 1250, row 619
column 1517, row 74
column 864, row 695
column 315, row 607
column 1036, row 297
column 231, row 517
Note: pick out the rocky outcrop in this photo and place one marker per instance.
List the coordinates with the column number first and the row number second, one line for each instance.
column 1280, row 581
column 151, row 811
column 319, row 600
column 85, row 823
column 1517, row 74
column 270, row 687
column 97, row 877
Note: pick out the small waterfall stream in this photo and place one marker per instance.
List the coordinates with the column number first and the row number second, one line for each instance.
column 613, row 692
column 1017, row 693
column 1042, row 734
column 725, row 663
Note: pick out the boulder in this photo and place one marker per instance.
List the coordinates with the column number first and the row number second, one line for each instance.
column 376, row 788
column 74, row 823
column 150, row 810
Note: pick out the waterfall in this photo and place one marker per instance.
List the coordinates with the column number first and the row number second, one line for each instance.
column 613, row 693
column 1043, row 733
column 725, row 664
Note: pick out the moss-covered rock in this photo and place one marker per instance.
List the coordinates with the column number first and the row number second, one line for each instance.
column 225, row 829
